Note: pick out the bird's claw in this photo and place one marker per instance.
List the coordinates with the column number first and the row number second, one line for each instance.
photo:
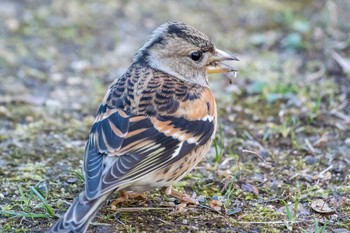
column 125, row 196
column 185, row 200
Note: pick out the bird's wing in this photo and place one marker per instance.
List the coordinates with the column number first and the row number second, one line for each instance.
column 124, row 146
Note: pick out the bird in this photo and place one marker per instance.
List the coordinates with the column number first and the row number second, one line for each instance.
column 155, row 123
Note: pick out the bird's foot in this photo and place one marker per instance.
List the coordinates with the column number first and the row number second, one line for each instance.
column 185, row 199
column 124, row 196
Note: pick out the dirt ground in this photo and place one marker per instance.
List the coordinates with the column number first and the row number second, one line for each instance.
column 282, row 154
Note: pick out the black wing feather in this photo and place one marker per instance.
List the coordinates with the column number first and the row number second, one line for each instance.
column 102, row 140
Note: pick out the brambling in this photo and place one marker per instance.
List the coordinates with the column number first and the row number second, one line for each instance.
column 155, row 124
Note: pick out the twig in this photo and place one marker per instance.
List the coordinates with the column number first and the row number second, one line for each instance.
column 209, row 208
column 133, row 209
column 325, row 170
column 311, row 148
column 295, row 175
column 100, row 224
column 251, row 137
column 341, row 116
column 276, row 222
column 254, row 153
column 166, row 222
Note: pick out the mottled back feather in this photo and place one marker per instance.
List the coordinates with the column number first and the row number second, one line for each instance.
column 145, row 124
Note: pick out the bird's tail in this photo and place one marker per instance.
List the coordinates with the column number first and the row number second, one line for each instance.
column 78, row 217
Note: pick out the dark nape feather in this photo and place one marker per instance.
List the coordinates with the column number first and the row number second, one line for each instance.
column 191, row 35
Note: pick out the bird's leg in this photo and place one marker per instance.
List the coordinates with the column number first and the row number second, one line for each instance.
column 183, row 197
column 124, row 196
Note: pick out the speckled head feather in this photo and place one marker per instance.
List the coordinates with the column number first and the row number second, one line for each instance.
column 191, row 35
column 174, row 29
column 170, row 47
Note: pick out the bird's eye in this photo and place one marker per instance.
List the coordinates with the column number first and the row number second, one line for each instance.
column 195, row 56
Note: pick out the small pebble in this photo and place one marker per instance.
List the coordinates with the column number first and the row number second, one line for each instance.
column 347, row 141
column 234, row 211
column 201, row 199
column 264, row 154
column 72, row 180
column 310, row 159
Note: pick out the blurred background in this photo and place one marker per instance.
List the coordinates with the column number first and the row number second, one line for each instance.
column 282, row 151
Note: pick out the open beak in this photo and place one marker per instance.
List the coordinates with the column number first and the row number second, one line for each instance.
column 221, row 62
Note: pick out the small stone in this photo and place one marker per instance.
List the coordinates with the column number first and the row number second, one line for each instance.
column 3, row 111
column 302, row 210
column 310, row 160
column 201, row 199
column 12, row 24
column 185, row 222
column 72, row 180
column 347, row 141
column 264, row 154
column 234, row 211
column 80, row 65
column 340, row 230
column 74, row 80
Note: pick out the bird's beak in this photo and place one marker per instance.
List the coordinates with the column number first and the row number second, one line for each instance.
column 221, row 62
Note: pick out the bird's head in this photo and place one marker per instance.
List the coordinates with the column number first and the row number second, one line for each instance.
column 185, row 52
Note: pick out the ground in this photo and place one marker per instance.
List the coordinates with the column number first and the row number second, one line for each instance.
column 281, row 159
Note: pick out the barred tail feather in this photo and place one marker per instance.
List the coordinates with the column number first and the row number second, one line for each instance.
column 78, row 217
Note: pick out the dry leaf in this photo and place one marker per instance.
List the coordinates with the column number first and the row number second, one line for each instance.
column 327, row 176
column 323, row 140
column 250, row 188
column 320, row 206
column 215, row 204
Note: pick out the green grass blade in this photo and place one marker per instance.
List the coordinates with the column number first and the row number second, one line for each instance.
column 46, row 205
column 289, row 212
column 23, row 214
column 23, row 196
